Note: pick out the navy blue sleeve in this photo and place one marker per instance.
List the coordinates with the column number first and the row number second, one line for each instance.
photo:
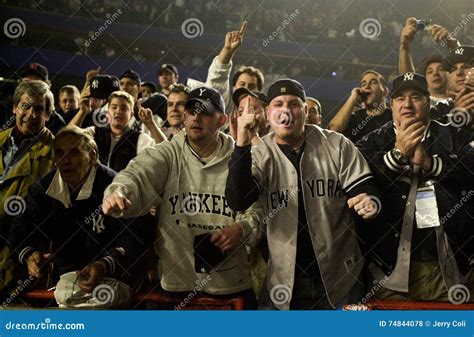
column 242, row 189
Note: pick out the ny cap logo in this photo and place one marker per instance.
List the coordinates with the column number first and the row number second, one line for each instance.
column 408, row 77
column 459, row 51
column 201, row 91
column 95, row 84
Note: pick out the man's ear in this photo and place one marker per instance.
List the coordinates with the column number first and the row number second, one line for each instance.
column 267, row 112
column 222, row 120
column 93, row 155
column 385, row 91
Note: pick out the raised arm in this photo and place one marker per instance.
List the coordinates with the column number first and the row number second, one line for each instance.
column 242, row 188
column 405, row 61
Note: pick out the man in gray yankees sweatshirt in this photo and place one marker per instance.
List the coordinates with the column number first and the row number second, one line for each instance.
column 186, row 179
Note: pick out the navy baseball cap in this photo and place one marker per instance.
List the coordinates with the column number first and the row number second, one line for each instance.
column 132, row 74
column 241, row 93
column 150, row 85
column 410, row 80
column 103, row 85
column 286, row 86
column 34, row 69
column 169, row 68
column 206, row 100
column 157, row 103
column 462, row 54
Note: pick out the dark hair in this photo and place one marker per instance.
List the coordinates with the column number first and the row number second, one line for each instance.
column 379, row 76
column 252, row 71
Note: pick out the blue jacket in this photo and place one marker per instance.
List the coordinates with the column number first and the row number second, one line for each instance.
column 79, row 234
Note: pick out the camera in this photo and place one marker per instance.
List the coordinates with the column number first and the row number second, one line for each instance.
column 422, row 24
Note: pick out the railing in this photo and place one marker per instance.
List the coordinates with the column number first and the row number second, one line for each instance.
column 38, row 297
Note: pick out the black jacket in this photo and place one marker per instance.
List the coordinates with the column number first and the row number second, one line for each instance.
column 124, row 151
column 454, row 187
column 81, row 234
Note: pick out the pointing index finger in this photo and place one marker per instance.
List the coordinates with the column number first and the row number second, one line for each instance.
column 243, row 28
column 248, row 108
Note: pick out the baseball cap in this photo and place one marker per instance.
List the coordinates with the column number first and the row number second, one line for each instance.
column 206, row 100
column 168, row 67
column 151, row 85
column 286, row 86
column 34, row 69
column 462, row 54
column 240, row 93
column 157, row 103
column 436, row 58
column 410, row 80
column 132, row 75
column 103, row 85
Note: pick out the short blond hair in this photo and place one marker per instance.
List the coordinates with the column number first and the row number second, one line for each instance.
column 124, row 95
column 70, row 90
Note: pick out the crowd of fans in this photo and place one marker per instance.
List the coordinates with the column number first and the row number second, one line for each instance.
column 324, row 22
column 237, row 191
column 330, row 21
